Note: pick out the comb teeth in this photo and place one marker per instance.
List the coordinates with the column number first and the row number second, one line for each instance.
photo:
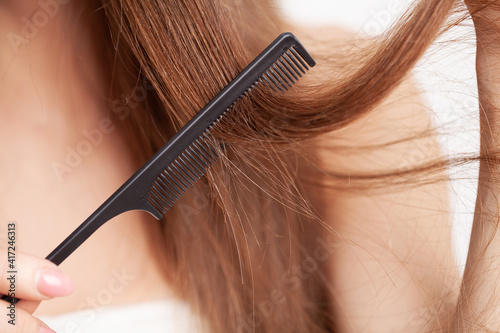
column 187, row 156
column 195, row 160
column 285, row 71
column 181, row 174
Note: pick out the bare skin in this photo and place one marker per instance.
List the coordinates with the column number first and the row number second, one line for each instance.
column 393, row 268
column 394, row 271
column 50, row 92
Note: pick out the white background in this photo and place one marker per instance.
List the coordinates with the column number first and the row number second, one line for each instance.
column 446, row 77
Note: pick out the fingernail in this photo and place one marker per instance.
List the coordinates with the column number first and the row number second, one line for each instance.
column 54, row 283
column 44, row 329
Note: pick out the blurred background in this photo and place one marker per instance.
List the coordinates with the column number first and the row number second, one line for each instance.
column 446, row 78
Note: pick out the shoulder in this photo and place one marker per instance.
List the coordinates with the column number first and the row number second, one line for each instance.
column 395, row 256
column 399, row 130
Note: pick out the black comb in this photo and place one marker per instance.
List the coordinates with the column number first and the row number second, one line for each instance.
column 187, row 156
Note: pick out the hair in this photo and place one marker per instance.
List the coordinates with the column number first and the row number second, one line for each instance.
column 232, row 242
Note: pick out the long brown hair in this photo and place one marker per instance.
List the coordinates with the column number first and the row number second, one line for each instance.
column 233, row 243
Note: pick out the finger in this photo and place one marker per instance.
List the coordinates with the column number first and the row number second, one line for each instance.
column 32, row 278
column 17, row 320
column 27, row 305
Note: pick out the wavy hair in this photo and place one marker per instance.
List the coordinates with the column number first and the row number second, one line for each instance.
column 233, row 241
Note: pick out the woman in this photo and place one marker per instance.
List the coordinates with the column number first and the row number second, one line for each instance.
column 313, row 222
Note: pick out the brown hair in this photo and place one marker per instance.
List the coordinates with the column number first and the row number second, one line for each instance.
column 233, row 243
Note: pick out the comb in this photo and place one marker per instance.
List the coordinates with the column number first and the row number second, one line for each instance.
column 188, row 155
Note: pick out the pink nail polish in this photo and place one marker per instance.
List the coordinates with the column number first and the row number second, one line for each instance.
column 44, row 329
column 54, row 283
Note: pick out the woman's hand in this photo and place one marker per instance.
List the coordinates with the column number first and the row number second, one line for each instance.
column 36, row 280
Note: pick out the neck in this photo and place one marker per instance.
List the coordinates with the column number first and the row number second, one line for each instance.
column 47, row 63
column 51, row 85
column 60, row 152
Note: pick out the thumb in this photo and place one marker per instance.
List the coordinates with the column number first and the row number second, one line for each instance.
column 28, row 306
